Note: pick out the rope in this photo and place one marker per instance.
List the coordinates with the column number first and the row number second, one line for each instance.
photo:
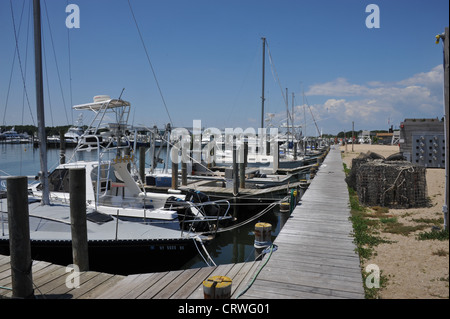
column 200, row 253
column 149, row 62
column 56, row 62
column 245, row 221
column 20, row 62
column 409, row 169
column 257, row 273
column 274, row 70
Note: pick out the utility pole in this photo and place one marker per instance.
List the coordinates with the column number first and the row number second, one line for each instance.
column 353, row 134
column 445, row 38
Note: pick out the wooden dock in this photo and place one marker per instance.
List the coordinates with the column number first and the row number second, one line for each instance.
column 50, row 282
column 315, row 258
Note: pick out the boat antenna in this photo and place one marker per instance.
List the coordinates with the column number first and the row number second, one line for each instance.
column 121, row 93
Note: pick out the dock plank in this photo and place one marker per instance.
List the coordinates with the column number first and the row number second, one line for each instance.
column 316, row 256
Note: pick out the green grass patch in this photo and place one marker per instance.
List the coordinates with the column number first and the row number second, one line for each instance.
column 434, row 235
column 363, row 227
column 401, row 229
column 433, row 221
column 389, row 220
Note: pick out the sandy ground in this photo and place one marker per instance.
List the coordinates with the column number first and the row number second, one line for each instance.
column 415, row 269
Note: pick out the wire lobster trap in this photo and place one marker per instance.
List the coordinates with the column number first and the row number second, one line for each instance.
column 395, row 184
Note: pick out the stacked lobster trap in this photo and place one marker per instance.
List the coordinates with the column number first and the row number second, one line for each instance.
column 391, row 182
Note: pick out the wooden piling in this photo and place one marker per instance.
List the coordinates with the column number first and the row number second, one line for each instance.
column 19, row 237
column 235, row 172
column 263, row 235
column 77, row 186
column 62, row 148
column 217, row 287
column 175, row 166
column 242, row 162
column 183, row 174
column 295, row 151
column 263, row 239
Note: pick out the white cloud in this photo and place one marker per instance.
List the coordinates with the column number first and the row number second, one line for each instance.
column 373, row 103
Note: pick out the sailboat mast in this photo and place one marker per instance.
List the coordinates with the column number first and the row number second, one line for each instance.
column 263, row 75
column 40, row 101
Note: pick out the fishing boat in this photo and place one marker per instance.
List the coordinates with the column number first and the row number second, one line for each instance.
column 153, row 239
column 113, row 185
column 73, row 134
column 12, row 137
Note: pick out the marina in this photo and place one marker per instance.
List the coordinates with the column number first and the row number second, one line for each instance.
column 130, row 201
column 314, row 258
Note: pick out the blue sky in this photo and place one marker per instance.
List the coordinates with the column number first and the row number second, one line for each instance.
column 207, row 58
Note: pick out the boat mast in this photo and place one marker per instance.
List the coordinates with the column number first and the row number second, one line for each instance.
column 263, row 74
column 40, row 101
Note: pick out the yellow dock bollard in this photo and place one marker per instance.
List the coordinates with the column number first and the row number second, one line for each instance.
column 263, row 235
column 217, row 287
column 284, row 207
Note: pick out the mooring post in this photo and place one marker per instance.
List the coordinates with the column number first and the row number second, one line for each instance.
column 235, row 171
column 175, row 166
column 185, row 150
column 19, row 237
column 217, row 287
column 142, row 164
column 295, row 151
column 263, row 238
column 242, row 162
column 62, row 148
column 77, row 186
column 183, row 174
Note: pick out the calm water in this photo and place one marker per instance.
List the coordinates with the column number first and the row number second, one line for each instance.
column 229, row 247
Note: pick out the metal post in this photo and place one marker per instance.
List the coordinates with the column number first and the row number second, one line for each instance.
column 287, row 123
column 19, row 237
column 263, row 75
column 77, row 186
column 445, row 38
column 142, row 164
column 40, row 102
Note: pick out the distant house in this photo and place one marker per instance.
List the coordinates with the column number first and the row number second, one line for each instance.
column 384, row 138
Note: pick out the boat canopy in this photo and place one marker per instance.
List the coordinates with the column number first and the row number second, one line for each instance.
column 102, row 102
